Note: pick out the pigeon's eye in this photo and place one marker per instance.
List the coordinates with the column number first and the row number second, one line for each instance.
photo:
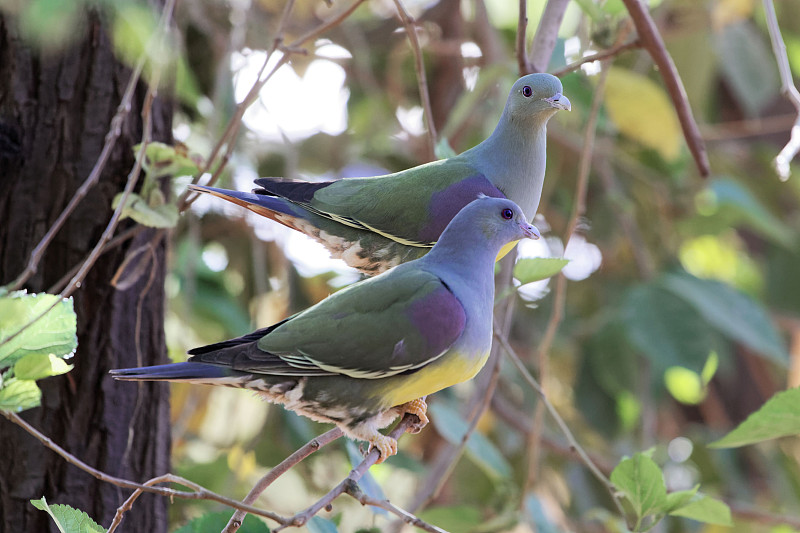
column 507, row 214
column 527, row 92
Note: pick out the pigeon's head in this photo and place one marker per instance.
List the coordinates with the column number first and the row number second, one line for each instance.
column 499, row 219
column 536, row 96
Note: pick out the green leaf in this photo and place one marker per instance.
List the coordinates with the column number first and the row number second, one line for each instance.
column 706, row 509
column 640, row 479
column 538, row 268
column 450, row 425
column 452, row 518
column 317, row 524
column 217, row 522
column 685, row 385
column 747, row 65
column 162, row 159
column 54, row 333
column 735, row 314
column 67, row 519
column 20, row 394
column 678, row 499
column 667, row 329
column 40, row 365
column 779, row 417
column 642, row 111
column 727, row 194
column 158, row 216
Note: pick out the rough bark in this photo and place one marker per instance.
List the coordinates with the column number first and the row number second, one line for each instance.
column 55, row 110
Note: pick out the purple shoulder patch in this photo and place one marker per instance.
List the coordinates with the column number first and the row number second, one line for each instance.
column 440, row 319
column 447, row 203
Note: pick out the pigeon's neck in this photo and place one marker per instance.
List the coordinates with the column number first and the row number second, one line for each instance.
column 466, row 256
column 513, row 159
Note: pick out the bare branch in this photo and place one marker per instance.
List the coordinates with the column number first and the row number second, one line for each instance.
column 654, row 44
column 784, row 158
column 197, row 493
column 301, row 518
column 353, row 490
column 544, row 42
column 578, row 209
column 227, row 138
column 521, row 43
column 573, row 443
column 422, row 80
column 599, row 56
column 310, row 447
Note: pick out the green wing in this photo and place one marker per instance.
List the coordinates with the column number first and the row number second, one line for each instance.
column 374, row 329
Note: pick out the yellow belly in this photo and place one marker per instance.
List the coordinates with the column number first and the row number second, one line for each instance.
column 451, row 369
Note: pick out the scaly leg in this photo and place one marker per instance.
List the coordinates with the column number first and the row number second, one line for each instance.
column 417, row 408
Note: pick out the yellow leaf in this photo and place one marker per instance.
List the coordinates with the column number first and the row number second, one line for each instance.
column 729, row 11
column 642, row 111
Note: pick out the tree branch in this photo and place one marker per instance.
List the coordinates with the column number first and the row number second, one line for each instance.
column 783, row 159
column 521, row 45
column 355, row 491
column 198, row 492
column 599, row 56
column 301, row 518
column 651, row 40
column 544, row 42
column 310, row 447
column 422, row 80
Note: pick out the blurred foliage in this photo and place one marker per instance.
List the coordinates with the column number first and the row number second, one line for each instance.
column 690, row 322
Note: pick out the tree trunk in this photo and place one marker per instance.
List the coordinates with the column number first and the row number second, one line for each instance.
column 55, row 110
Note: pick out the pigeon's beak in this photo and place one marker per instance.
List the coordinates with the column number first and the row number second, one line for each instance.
column 530, row 231
column 559, row 101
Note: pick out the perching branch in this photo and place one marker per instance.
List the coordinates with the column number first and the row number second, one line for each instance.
column 355, row 491
column 651, row 40
column 422, row 80
column 784, row 158
column 197, row 493
column 307, row 449
column 301, row 518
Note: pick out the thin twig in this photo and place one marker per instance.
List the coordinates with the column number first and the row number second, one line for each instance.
column 559, row 298
column 599, row 56
column 226, row 140
column 355, row 491
column 113, row 134
column 784, row 158
column 546, row 37
column 128, row 504
column 198, row 492
column 301, row 518
column 307, row 449
column 654, row 44
column 521, row 45
column 422, row 80
column 562, row 425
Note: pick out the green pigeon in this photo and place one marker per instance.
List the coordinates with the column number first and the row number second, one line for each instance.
column 376, row 223
column 372, row 351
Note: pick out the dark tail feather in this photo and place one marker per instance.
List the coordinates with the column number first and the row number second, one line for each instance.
column 173, row 372
column 262, row 204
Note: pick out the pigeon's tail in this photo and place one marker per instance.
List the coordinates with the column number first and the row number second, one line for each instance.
column 273, row 207
column 190, row 372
